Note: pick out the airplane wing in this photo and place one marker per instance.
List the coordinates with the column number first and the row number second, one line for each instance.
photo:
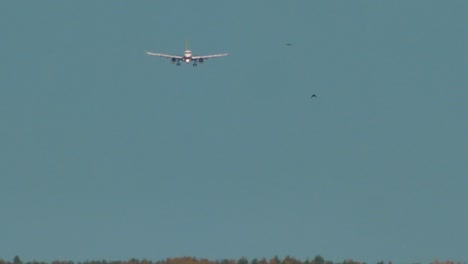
column 209, row 56
column 164, row 55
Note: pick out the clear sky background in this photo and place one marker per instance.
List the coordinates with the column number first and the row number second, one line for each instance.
column 108, row 153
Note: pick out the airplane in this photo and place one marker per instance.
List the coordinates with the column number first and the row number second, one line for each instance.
column 188, row 56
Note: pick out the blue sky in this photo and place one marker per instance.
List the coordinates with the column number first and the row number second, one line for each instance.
column 107, row 153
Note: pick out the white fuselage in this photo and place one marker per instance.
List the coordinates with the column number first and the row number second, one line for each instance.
column 187, row 56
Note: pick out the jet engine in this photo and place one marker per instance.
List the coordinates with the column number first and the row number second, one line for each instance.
column 173, row 60
column 201, row 60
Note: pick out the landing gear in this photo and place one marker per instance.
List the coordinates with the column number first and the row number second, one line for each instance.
column 195, row 65
column 178, row 64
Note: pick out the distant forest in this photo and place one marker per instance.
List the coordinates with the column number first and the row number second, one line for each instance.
column 192, row 260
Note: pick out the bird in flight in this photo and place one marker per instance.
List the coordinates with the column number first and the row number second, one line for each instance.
column 313, row 96
column 289, row 44
column 187, row 57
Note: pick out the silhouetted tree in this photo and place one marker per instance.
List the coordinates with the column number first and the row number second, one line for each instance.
column 17, row 260
column 318, row 260
column 243, row 260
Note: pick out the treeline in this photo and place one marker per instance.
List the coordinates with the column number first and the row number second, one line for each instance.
column 192, row 260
